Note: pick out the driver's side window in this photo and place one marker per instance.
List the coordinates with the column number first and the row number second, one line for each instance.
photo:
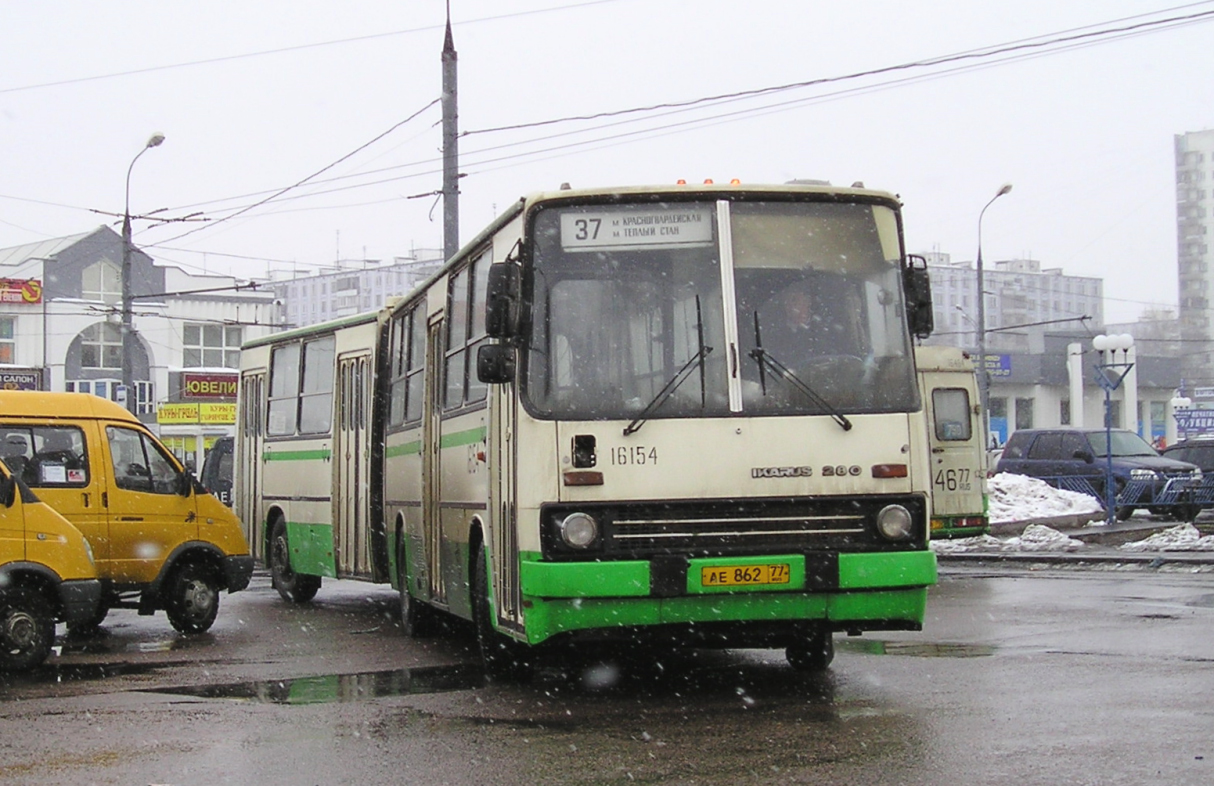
column 139, row 464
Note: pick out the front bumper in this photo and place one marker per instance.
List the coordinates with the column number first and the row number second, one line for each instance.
column 237, row 571
column 79, row 599
column 854, row 592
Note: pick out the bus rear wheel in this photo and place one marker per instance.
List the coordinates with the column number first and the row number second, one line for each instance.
column 503, row 658
column 416, row 618
column 813, row 652
column 292, row 587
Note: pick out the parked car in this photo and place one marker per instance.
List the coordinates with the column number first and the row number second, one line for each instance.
column 1078, row 459
column 216, row 474
column 1197, row 450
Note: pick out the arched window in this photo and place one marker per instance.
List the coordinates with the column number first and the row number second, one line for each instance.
column 101, row 281
column 101, row 346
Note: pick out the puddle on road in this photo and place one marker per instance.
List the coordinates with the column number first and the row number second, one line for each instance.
column 915, row 649
column 333, row 688
column 1202, row 602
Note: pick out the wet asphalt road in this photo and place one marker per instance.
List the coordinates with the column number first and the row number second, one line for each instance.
column 1021, row 676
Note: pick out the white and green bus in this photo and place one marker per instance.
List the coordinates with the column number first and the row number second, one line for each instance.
column 688, row 413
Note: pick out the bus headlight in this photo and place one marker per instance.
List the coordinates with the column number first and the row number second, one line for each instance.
column 579, row 530
column 895, row 522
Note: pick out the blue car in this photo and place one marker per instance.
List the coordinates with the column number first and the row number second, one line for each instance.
column 1077, row 459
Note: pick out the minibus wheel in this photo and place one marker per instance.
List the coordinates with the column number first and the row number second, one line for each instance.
column 293, row 587
column 814, row 651
column 193, row 599
column 27, row 629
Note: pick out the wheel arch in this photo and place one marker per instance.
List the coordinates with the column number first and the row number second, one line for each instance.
column 189, row 553
column 35, row 576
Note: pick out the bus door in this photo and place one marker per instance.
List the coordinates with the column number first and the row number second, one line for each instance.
column 248, row 460
column 351, row 465
column 955, row 437
column 432, row 430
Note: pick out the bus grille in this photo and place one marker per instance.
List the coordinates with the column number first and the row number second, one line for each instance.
column 704, row 528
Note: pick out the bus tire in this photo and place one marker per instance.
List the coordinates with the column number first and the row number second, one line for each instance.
column 193, row 598
column 813, row 652
column 27, row 629
column 292, row 587
column 416, row 618
column 503, row 658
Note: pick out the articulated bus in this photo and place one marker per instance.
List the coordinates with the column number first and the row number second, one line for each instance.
column 949, row 387
column 685, row 414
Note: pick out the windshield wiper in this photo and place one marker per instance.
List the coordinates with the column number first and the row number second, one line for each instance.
column 669, row 388
column 766, row 360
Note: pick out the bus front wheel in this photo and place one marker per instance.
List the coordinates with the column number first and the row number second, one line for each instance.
column 814, row 651
column 293, row 587
column 503, row 658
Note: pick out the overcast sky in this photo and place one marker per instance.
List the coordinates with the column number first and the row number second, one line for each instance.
column 254, row 97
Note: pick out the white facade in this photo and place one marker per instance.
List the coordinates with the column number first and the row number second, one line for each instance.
column 1194, row 224
column 351, row 287
column 1022, row 302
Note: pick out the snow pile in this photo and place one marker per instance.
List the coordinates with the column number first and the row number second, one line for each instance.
column 1184, row 537
column 1036, row 537
column 1021, row 498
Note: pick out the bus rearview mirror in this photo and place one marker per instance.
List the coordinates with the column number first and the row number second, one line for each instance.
column 503, row 290
column 916, row 284
column 495, row 364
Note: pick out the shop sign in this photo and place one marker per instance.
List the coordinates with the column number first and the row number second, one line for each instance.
column 217, row 414
column 192, row 414
column 12, row 379
column 208, row 385
column 21, row 290
column 177, row 414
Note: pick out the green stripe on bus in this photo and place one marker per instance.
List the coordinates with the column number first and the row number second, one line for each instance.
column 469, row 437
column 406, row 449
column 297, row 455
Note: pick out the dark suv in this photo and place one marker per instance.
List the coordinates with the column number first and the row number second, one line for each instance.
column 217, row 470
column 1077, row 459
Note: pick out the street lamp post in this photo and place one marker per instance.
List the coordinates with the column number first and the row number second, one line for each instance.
column 984, row 377
column 128, row 344
column 1109, row 375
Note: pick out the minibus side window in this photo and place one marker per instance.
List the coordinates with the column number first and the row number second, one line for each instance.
column 139, row 463
column 46, row 456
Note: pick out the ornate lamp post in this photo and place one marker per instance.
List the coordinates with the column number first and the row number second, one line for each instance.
column 1109, row 375
column 128, row 344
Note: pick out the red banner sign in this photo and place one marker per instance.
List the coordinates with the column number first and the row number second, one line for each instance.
column 208, row 385
column 20, row 290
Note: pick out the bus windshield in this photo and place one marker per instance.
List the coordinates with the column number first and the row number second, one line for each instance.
column 796, row 308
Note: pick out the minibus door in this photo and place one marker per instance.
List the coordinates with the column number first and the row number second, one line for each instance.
column 148, row 516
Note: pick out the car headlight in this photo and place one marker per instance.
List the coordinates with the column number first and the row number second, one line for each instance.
column 579, row 530
column 1144, row 474
column 895, row 522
